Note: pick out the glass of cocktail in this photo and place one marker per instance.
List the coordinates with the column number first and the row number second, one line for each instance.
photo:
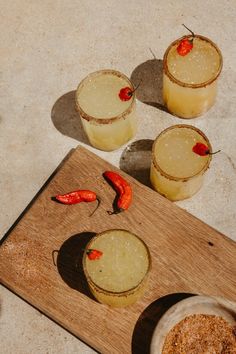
column 190, row 78
column 118, row 277
column 176, row 170
column 108, row 121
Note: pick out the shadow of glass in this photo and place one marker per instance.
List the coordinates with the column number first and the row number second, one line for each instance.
column 149, row 75
column 69, row 262
column 136, row 160
column 148, row 320
column 66, row 119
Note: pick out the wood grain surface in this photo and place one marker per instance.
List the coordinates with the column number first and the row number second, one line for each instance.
column 40, row 258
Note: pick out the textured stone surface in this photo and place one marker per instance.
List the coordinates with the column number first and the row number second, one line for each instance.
column 46, row 49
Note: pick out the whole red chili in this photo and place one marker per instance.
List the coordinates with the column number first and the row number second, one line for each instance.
column 126, row 93
column 186, row 44
column 202, row 150
column 78, row 196
column 93, row 254
column 123, row 189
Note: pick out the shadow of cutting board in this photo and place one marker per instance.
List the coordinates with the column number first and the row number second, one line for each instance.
column 40, row 259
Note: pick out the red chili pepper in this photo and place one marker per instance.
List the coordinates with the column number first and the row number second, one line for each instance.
column 186, row 44
column 125, row 94
column 202, row 150
column 123, row 189
column 78, row 196
column 93, row 254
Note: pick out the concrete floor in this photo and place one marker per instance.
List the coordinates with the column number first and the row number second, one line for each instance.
column 47, row 48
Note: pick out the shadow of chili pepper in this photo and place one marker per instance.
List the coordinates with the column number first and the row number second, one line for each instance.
column 69, row 262
column 145, row 326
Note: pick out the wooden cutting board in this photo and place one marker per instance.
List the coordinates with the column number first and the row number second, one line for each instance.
column 188, row 256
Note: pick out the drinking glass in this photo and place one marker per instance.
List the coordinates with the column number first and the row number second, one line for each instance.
column 176, row 171
column 119, row 277
column 108, row 121
column 190, row 81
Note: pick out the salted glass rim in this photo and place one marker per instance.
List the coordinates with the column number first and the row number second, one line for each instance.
column 183, row 179
column 101, row 120
column 185, row 84
column 109, row 292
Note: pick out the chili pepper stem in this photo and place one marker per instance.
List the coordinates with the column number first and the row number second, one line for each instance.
column 192, row 33
column 98, row 203
column 131, row 92
column 113, row 212
column 213, row 153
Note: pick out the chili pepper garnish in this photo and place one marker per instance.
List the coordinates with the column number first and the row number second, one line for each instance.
column 126, row 93
column 93, row 254
column 78, row 196
column 186, row 44
column 123, row 188
column 203, row 150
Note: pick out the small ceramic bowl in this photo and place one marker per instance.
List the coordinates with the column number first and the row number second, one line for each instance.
column 192, row 305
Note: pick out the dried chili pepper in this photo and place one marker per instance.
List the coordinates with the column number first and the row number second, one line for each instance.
column 78, row 196
column 123, row 189
column 186, row 44
column 93, row 254
column 203, row 150
column 126, row 93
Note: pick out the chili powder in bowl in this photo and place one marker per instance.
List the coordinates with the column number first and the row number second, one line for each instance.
column 197, row 325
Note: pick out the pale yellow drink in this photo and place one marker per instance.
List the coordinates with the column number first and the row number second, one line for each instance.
column 190, row 81
column 119, row 276
column 108, row 121
column 176, row 171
